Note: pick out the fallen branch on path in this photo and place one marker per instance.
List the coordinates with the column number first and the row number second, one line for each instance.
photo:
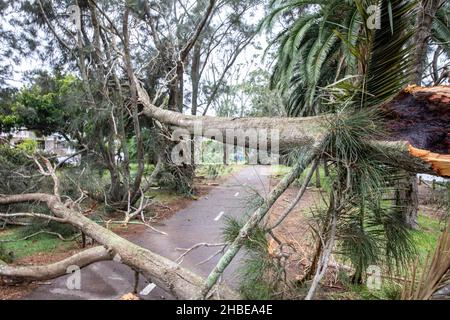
column 255, row 219
column 163, row 272
column 123, row 223
column 179, row 260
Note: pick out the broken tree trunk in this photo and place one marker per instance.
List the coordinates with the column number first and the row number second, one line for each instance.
column 293, row 131
column 163, row 272
column 439, row 162
column 418, row 117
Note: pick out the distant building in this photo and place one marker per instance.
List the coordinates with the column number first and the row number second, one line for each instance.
column 54, row 144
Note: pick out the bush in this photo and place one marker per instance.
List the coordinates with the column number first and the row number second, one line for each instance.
column 212, row 171
column 29, row 146
column 260, row 275
column 37, row 225
column 19, row 172
column 88, row 177
column 5, row 256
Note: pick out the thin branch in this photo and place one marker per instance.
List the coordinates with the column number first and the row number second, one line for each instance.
column 52, row 29
column 179, row 260
column 254, row 220
column 43, row 232
column 300, row 194
column 324, row 258
column 32, row 215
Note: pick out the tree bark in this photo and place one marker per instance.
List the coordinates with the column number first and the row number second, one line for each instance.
column 425, row 17
column 318, row 184
column 412, row 210
column 195, row 77
column 424, row 23
column 39, row 273
column 407, row 198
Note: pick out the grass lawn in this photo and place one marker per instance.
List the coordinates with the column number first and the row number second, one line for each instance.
column 25, row 248
column 425, row 239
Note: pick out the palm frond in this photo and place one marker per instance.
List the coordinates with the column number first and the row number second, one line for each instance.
column 390, row 65
column 441, row 31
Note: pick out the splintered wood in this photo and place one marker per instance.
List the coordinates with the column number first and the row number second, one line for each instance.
column 439, row 162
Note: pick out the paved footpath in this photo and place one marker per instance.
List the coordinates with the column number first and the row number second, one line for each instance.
column 201, row 221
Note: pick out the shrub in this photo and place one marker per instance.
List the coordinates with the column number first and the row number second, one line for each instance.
column 5, row 256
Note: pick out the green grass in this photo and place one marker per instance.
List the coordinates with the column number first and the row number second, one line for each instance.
column 425, row 240
column 426, row 237
column 280, row 170
column 388, row 291
column 25, row 248
column 148, row 169
column 164, row 196
column 213, row 171
column 104, row 178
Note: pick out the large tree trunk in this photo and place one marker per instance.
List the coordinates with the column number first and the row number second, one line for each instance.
column 425, row 16
column 165, row 273
column 195, row 77
column 412, row 210
column 406, row 197
column 417, row 117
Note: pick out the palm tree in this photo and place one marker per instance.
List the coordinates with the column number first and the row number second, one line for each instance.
column 359, row 69
column 326, row 41
column 432, row 24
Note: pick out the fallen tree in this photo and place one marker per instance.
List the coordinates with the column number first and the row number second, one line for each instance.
column 182, row 283
column 419, row 117
column 416, row 118
column 166, row 274
column 37, row 273
column 426, row 128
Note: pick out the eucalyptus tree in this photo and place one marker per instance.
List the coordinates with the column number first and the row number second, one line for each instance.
column 102, row 42
column 433, row 29
column 84, row 47
column 214, row 55
column 247, row 94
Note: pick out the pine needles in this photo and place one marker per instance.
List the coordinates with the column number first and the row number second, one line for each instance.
column 371, row 230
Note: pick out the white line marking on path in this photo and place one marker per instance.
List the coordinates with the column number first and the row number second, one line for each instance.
column 76, row 293
column 219, row 216
column 237, row 193
column 146, row 291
